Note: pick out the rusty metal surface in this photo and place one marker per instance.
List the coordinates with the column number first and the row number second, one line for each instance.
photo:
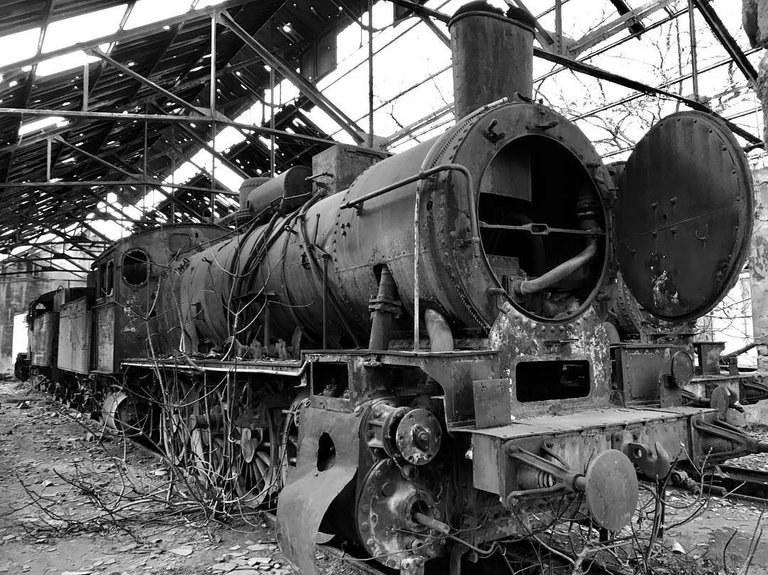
column 492, row 402
column 342, row 166
column 454, row 377
column 281, row 194
column 708, row 354
column 684, row 216
column 519, row 339
column 651, row 374
column 635, row 324
column 575, row 439
column 611, row 489
column 290, row 368
column 104, row 338
column 143, row 310
column 75, row 336
column 286, row 260
column 418, row 436
column 478, row 78
column 588, row 419
column 385, row 513
column 44, row 339
column 311, row 487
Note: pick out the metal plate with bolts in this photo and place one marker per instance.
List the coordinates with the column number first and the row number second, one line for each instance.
column 493, row 406
column 684, row 216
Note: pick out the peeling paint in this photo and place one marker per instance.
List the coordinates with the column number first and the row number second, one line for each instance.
column 516, row 336
column 664, row 294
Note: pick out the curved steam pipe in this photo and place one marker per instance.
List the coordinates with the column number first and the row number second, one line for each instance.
column 439, row 331
column 528, row 287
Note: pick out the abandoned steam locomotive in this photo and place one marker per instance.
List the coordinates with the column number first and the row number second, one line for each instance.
column 413, row 351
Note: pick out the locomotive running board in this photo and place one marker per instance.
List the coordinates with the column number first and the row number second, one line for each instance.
column 578, row 437
column 310, row 491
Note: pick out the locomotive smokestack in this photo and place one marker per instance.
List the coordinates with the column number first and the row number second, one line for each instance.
column 492, row 55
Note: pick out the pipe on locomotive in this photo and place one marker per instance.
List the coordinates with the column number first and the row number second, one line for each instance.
column 478, row 33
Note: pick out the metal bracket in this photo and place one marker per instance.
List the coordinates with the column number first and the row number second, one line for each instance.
column 653, row 466
column 568, row 480
column 723, row 430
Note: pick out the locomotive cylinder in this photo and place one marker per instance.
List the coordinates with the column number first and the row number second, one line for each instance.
column 481, row 39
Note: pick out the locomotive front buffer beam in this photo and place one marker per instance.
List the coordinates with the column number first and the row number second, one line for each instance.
column 550, row 456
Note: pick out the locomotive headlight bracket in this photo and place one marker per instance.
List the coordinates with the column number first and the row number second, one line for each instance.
column 609, row 484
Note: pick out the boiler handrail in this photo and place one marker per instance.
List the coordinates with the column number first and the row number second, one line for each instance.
column 422, row 175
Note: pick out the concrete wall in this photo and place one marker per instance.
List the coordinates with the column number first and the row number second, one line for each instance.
column 755, row 21
column 18, row 286
column 731, row 321
column 758, row 263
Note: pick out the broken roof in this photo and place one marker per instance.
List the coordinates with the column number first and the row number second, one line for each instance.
column 91, row 125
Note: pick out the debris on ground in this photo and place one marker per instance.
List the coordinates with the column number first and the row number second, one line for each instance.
column 46, row 448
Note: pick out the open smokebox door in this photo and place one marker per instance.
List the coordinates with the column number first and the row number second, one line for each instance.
column 683, row 216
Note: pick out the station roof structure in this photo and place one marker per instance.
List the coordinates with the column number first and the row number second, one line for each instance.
column 110, row 121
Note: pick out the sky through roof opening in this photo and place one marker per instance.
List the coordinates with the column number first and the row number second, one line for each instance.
column 413, row 94
column 18, row 46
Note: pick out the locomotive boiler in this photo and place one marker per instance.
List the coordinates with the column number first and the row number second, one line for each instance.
column 413, row 352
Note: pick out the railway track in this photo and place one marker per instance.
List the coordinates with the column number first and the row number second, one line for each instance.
column 740, row 483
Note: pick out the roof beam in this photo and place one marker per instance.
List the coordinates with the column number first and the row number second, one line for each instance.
column 724, row 37
column 287, row 71
column 616, row 43
column 89, row 86
column 147, row 82
column 46, row 270
column 128, row 71
column 125, row 35
column 30, row 80
column 622, row 8
column 65, row 256
column 162, row 118
column 221, row 72
column 11, row 258
column 9, row 199
column 601, row 74
column 133, row 181
column 170, row 38
column 139, row 179
column 218, row 155
column 102, row 65
column 544, row 38
column 614, row 27
column 442, row 36
column 80, row 247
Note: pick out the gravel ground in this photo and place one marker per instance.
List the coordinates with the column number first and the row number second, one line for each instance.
column 45, row 448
